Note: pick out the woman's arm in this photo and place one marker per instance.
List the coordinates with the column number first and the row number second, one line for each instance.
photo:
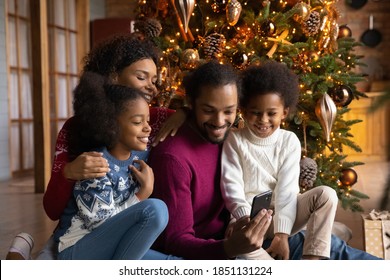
column 64, row 174
column 165, row 122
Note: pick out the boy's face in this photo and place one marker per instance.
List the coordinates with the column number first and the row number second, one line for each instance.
column 264, row 114
column 215, row 111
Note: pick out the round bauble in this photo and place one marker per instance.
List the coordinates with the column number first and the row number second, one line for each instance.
column 344, row 31
column 342, row 95
column 348, row 177
column 189, row 59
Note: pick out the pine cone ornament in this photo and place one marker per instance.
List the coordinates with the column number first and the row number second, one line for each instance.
column 214, row 45
column 150, row 27
column 308, row 173
column 312, row 24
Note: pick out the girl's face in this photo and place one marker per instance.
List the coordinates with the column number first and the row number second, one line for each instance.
column 141, row 75
column 264, row 114
column 134, row 128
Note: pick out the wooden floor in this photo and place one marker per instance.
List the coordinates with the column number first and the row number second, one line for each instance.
column 21, row 209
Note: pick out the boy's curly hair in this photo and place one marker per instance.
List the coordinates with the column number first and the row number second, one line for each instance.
column 97, row 105
column 270, row 77
column 116, row 53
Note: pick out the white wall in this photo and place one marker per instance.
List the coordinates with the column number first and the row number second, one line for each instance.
column 4, row 145
column 97, row 9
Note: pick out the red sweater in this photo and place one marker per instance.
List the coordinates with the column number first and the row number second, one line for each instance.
column 187, row 178
column 59, row 190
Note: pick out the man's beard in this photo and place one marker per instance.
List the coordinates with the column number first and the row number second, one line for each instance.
column 213, row 140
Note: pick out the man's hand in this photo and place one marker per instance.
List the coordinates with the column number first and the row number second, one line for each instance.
column 279, row 248
column 248, row 235
column 88, row 165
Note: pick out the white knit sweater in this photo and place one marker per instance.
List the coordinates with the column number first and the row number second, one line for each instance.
column 252, row 165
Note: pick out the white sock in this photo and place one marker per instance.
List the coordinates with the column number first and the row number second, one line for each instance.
column 23, row 244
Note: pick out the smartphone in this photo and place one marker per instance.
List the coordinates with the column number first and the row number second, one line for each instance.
column 260, row 201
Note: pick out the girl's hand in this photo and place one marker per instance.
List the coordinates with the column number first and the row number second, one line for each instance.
column 170, row 126
column 145, row 177
column 88, row 165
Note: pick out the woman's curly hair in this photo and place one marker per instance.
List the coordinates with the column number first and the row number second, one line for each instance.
column 97, row 105
column 270, row 77
column 112, row 55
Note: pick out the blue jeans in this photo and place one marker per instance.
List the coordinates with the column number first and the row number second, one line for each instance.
column 339, row 250
column 126, row 236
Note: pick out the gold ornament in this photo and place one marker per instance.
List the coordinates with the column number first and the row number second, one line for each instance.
column 344, row 31
column 185, row 9
column 233, row 11
column 348, row 177
column 303, row 11
column 189, row 59
column 326, row 112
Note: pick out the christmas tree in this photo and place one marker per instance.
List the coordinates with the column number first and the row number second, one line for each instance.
column 304, row 35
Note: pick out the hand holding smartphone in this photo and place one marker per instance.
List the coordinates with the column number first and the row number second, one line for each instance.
column 261, row 201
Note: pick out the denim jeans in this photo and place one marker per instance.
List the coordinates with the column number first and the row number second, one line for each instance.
column 126, row 236
column 339, row 250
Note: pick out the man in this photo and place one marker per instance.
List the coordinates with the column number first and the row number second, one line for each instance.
column 187, row 178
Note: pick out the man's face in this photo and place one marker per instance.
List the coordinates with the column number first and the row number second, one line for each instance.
column 215, row 111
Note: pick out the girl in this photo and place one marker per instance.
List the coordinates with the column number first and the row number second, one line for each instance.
column 111, row 217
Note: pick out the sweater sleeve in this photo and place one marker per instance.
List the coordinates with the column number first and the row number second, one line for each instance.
column 232, row 183
column 158, row 116
column 173, row 186
column 59, row 190
column 287, row 187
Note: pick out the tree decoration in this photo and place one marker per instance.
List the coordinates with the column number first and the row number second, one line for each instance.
column 303, row 11
column 344, row 31
column 326, row 113
column 233, row 11
column 185, row 9
column 267, row 28
column 189, row 59
column 348, row 177
column 308, row 173
column 342, row 95
column 312, row 24
column 239, row 59
column 149, row 27
column 214, row 45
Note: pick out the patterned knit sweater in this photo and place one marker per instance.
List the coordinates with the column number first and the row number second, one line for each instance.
column 59, row 189
column 252, row 165
column 96, row 200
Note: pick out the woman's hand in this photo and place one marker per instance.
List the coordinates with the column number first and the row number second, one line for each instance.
column 170, row 126
column 88, row 165
column 145, row 177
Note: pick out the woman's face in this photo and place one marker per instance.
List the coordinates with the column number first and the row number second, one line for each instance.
column 141, row 75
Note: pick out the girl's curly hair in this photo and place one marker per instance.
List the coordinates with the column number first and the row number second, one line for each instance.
column 116, row 53
column 97, row 105
column 270, row 77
